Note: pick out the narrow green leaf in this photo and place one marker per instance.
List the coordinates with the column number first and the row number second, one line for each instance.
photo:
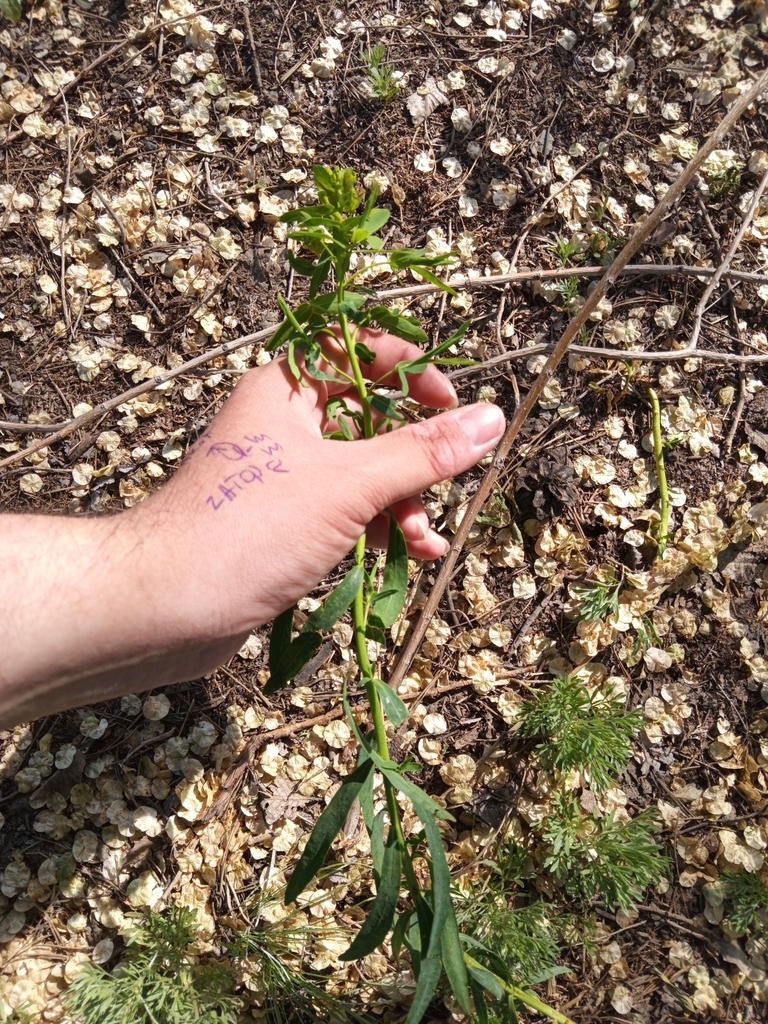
column 366, row 801
column 481, row 1007
column 399, row 933
column 401, row 326
column 280, row 637
column 377, row 842
column 396, row 711
column 374, row 633
column 488, row 980
column 337, row 602
column 429, row 976
column 452, row 956
column 363, row 353
column 401, row 259
column 293, row 660
column 433, row 279
column 322, row 270
column 293, row 365
column 327, row 827
column 377, row 925
column 389, row 603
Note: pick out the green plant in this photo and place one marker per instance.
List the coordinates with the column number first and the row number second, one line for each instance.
column 568, row 288
column 565, row 249
column 332, row 231
column 749, row 901
column 591, row 732
column 158, row 980
column 11, row 10
column 593, row 856
column 662, row 531
column 602, row 246
column 270, row 956
column 598, row 597
column 381, row 76
column 726, row 181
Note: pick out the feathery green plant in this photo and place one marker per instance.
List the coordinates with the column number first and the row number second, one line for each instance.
column 593, row 856
column 598, row 597
column 158, row 980
column 591, row 732
column 749, row 901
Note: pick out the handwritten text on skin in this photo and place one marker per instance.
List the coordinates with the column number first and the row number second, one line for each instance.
column 235, row 483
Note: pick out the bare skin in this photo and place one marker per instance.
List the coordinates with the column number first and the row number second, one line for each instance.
column 261, row 510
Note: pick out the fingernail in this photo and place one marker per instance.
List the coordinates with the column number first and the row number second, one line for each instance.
column 482, row 423
column 454, row 403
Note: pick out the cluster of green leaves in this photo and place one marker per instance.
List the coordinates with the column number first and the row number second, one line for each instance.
column 566, row 249
column 568, row 288
column 749, row 901
column 380, row 74
column 158, row 979
column 591, row 732
column 598, row 598
column 727, row 181
column 590, row 855
column 11, row 10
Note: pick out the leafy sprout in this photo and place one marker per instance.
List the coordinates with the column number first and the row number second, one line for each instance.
column 565, row 249
column 593, row 856
column 591, row 732
column 380, row 75
column 598, row 598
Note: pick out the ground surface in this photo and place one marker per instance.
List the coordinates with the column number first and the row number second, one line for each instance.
column 142, row 176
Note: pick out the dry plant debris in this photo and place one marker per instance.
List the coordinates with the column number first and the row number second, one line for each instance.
column 148, row 152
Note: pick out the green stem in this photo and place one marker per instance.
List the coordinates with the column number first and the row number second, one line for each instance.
column 523, row 995
column 359, row 615
column 360, row 384
column 661, row 473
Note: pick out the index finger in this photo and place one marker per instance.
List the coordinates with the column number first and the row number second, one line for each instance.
column 430, row 387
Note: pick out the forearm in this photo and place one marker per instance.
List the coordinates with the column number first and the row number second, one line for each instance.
column 93, row 610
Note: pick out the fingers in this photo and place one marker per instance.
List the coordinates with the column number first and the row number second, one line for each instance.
column 427, row 547
column 430, row 388
column 394, row 466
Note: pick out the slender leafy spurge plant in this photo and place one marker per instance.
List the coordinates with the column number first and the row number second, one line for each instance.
column 338, row 232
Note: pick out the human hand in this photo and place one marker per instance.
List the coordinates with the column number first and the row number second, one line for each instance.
column 264, row 507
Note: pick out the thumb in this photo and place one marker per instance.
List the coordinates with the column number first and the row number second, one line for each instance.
column 393, row 466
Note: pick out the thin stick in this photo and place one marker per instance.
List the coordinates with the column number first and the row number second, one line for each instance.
column 701, row 308
column 493, row 281
column 640, row 235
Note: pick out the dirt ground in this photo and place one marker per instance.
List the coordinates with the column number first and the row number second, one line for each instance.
column 148, row 151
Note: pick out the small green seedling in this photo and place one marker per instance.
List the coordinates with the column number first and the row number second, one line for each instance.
column 748, row 896
column 381, row 76
column 565, row 249
column 604, row 856
column 598, row 598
